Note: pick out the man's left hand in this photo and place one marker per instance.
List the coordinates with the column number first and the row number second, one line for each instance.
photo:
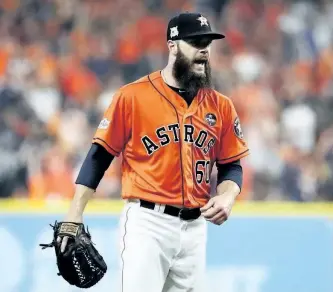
column 218, row 208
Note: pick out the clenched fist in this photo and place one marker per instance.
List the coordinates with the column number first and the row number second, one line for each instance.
column 218, row 208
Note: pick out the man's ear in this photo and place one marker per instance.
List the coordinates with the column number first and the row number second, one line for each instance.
column 173, row 47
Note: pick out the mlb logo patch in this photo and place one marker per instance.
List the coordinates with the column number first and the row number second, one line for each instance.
column 104, row 124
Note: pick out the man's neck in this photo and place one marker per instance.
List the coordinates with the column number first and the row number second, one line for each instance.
column 168, row 77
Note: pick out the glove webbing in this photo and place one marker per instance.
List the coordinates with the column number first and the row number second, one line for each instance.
column 78, row 268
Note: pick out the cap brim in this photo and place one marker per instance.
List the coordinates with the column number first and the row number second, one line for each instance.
column 211, row 35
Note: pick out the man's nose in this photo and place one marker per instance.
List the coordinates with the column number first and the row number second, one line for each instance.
column 204, row 51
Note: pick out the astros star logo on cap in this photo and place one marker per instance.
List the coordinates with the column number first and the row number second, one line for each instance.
column 203, row 20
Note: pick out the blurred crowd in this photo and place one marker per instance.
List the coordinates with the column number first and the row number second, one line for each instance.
column 61, row 61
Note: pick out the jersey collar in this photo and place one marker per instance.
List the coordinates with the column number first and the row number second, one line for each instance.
column 175, row 99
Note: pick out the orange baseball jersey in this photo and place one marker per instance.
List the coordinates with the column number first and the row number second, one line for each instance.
column 169, row 148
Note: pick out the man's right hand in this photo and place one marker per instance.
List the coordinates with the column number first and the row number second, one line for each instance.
column 75, row 212
column 64, row 240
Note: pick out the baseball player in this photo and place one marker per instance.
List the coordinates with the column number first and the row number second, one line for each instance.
column 171, row 127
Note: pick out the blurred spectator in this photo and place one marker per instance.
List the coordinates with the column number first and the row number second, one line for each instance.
column 55, row 178
column 61, row 62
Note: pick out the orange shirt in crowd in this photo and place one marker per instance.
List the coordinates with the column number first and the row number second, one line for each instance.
column 77, row 81
column 55, row 180
column 4, row 58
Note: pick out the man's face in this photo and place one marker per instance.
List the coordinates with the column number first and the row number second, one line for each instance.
column 197, row 51
column 192, row 67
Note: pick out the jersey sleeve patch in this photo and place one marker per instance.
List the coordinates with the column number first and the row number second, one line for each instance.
column 114, row 129
column 232, row 144
column 104, row 124
column 238, row 129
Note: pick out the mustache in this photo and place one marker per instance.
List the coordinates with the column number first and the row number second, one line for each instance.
column 201, row 60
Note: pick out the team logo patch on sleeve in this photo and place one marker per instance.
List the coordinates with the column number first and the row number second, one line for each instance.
column 237, row 129
column 210, row 119
column 104, row 124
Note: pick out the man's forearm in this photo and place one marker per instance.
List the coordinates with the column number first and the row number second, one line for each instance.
column 229, row 188
column 229, row 178
column 92, row 171
column 81, row 197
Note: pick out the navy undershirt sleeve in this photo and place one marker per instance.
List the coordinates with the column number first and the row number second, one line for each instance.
column 230, row 171
column 94, row 166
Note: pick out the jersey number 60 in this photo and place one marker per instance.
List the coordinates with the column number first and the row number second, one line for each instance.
column 202, row 171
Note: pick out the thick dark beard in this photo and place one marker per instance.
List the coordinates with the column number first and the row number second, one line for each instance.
column 187, row 79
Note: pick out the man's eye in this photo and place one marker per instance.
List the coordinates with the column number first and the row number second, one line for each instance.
column 206, row 43
column 199, row 43
column 193, row 42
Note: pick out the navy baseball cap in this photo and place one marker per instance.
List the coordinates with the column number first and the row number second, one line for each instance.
column 189, row 25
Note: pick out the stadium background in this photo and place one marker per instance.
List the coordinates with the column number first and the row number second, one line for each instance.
column 60, row 63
